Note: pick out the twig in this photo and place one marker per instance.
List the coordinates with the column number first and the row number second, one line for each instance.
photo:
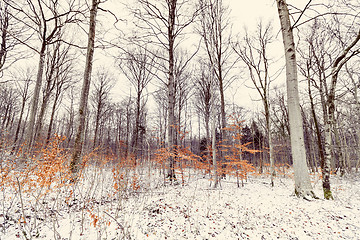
column 119, row 224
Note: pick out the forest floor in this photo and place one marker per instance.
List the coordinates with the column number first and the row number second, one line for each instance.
column 108, row 204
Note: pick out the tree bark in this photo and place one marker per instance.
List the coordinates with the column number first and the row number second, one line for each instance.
column 330, row 108
column 303, row 186
column 76, row 156
column 171, row 91
column 216, row 174
column 35, row 100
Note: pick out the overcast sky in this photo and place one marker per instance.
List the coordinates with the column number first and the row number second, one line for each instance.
column 242, row 14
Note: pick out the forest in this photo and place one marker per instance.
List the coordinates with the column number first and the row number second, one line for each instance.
column 163, row 119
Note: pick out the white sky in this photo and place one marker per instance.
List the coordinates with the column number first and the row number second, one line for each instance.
column 242, row 14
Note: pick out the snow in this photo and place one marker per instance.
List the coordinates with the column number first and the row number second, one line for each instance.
column 193, row 211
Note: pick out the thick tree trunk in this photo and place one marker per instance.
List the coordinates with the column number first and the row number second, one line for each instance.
column 303, row 186
column 76, row 157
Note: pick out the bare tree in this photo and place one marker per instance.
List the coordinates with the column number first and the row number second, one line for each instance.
column 63, row 80
column 163, row 22
column 79, row 138
column 253, row 52
column 45, row 19
column 8, row 107
column 204, row 95
column 303, row 186
column 215, row 30
column 138, row 67
column 51, row 67
column 23, row 83
column 100, row 98
column 4, row 25
column 9, row 32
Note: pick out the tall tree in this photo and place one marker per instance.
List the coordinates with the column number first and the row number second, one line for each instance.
column 23, row 85
column 100, row 98
column 79, row 138
column 215, row 30
column 339, row 62
column 303, row 186
column 138, row 67
column 204, row 96
column 163, row 23
column 253, row 52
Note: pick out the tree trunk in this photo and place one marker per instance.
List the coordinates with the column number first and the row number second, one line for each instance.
column 76, row 157
column 317, row 128
column 330, row 121
column 303, row 186
column 34, row 103
column 216, row 174
column 97, row 122
column 271, row 147
column 52, row 118
column 18, row 126
column 171, row 91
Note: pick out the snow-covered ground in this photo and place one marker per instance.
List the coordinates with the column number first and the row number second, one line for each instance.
column 145, row 209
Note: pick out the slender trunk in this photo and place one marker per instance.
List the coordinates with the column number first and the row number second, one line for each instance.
column 271, row 147
column 127, row 147
column 339, row 149
column 35, row 100
column 97, row 122
column 135, row 141
column 303, row 186
column 19, row 126
column 76, row 157
column 317, row 128
column 52, row 118
column 171, row 91
column 39, row 123
column 216, row 174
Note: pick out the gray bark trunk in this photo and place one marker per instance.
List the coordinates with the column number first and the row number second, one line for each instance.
column 76, row 157
column 171, row 91
column 303, row 186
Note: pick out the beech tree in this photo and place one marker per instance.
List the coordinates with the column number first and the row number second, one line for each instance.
column 339, row 62
column 303, row 186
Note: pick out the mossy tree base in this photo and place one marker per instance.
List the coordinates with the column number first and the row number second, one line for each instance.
column 328, row 194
